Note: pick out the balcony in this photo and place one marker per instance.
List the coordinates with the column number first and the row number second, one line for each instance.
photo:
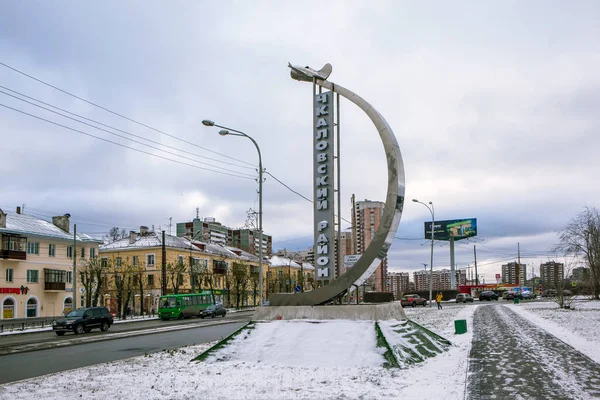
column 13, row 255
column 54, row 286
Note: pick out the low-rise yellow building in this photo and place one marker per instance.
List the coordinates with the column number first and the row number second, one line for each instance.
column 288, row 276
column 36, row 264
column 189, row 266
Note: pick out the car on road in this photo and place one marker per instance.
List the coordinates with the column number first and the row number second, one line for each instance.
column 511, row 295
column 412, row 300
column 549, row 293
column 83, row 320
column 488, row 295
column 527, row 294
column 213, row 311
column 464, row 298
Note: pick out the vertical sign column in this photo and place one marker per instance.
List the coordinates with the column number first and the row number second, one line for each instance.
column 323, row 186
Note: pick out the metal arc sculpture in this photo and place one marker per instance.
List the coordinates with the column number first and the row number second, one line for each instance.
column 379, row 246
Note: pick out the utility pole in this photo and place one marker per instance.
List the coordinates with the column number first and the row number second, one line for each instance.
column 475, row 255
column 75, row 297
column 164, row 266
column 519, row 266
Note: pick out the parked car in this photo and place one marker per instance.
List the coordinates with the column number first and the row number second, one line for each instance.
column 567, row 293
column 83, row 320
column 488, row 295
column 463, row 298
column 527, row 294
column 549, row 293
column 412, row 300
column 511, row 295
column 213, row 311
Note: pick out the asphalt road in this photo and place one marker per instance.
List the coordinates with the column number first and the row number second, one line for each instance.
column 511, row 358
column 55, row 354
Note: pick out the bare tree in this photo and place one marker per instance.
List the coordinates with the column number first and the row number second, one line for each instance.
column 90, row 276
column 175, row 274
column 581, row 238
column 124, row 287
column 115, row 233
column 240, row 276
column 206, row 278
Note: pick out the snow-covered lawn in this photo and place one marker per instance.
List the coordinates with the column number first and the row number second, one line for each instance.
column 331, row 368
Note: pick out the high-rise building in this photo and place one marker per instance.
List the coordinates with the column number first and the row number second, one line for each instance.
column 581, row 274
column 346, row 248
column 211, row 231
column 441, row 279
column 514, row 273
column 367, row 215
column 552, row 274
column 399, row 283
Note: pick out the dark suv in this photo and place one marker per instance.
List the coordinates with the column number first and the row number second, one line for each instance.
column 488, row 295
column 83, row 320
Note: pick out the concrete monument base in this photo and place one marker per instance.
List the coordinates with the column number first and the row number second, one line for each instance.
column 353, row 312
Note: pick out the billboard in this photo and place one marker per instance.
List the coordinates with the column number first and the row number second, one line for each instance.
column 453, row 228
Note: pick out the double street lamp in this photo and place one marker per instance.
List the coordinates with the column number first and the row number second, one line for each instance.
column 432, row 211
column 228, row 131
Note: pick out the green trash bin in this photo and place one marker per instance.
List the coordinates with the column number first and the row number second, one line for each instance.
column 516, row 300
column 460, row 326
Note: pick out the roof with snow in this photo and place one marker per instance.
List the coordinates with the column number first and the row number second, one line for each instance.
column 278, row 261
column 27, row 225
column 153, row 239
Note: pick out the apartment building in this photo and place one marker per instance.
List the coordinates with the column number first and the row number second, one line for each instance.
column 441, row 279
column 367, row 215
column 514, row 273
column 212, row 231
column 36, row 264
column 285, row 275
column 190, row 266
column 398, row 283
column 552, row 274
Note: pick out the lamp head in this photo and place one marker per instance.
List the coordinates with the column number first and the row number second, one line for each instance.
column 208, row 122
column 223, row 132
column 415, row 200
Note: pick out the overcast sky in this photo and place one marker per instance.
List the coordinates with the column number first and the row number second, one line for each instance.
column 495, row 106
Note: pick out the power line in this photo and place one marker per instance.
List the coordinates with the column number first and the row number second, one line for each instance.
column 122, row 145
column 297, row 193
column 105, row 125
column 121, row 136
column 119, row 115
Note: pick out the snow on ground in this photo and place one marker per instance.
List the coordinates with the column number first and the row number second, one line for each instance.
column 578, row 326
column 279, row 363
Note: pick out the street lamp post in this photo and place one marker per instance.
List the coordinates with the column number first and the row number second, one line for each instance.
column 432, row 211
column 229, row 131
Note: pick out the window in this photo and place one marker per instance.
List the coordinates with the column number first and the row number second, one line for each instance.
column 150, row 260
column 51, row 250
column 32, row 276
column 118, row 261
column 179, row 279
column 136, row 261
column 70, row 251
column 31, row 308
column 9, row 274
column 33, row 248
column 92, row 252
column 180, row 260
column 151, row 280
column 69, row 276
column 104, row 262
column 82, row 252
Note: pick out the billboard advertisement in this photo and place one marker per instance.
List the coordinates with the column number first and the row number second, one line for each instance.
column 453, row 228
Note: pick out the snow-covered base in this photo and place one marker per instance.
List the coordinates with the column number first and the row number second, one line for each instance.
column 330, row 374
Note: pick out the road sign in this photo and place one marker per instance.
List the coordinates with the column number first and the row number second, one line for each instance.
column 297, row 289
column 573, row 284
